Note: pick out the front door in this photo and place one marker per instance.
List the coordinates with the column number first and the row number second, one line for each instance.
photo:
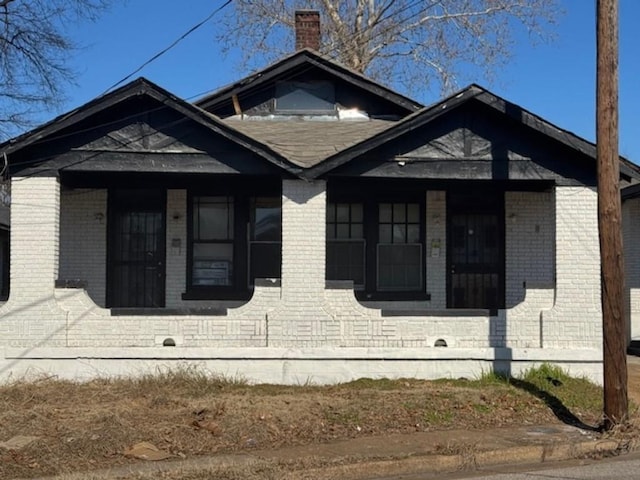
column 136, row 231
column 476, row 251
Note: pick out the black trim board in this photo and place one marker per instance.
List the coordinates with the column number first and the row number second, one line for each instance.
column 432, row 113
column 137, row 88
column 311, row 57
column 149, row 162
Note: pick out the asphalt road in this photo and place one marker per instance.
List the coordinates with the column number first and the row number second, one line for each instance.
column 620, row 468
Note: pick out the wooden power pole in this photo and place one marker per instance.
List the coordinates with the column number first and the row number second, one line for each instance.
column 616, row 407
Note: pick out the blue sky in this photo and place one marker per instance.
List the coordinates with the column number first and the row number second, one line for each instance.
column 555, row 81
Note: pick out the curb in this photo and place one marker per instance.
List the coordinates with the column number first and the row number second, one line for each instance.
column 364, row 468
column 467, row 461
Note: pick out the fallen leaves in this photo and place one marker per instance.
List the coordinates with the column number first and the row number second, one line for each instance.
column 146, row 451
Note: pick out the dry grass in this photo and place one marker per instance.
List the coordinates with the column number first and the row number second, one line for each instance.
column 190, row 413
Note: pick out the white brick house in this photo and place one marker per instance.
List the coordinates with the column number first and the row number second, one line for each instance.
column 304, row 224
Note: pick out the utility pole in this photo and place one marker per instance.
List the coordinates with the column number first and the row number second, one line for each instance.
column 616, row 405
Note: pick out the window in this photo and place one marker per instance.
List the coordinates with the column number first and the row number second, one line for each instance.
column 213, row 228
column 345, row 243
column 399, row 249
column 265, row 249
column 378, row 243
column 305, row 97
column 234, row 239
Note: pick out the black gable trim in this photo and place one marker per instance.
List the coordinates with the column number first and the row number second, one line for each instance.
column 627, row 168
column 404, row 126
column 306, row 56
column 471, row 93
column 138, row 88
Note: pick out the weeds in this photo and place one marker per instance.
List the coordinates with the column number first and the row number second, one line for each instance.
column 190, row 379
column 577, row 394
column 188, row 411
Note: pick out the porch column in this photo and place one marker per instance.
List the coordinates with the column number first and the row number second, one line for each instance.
column 303, row 240
column 176, row 258
column 436, row 239
column 575, row 321
column 35, row 237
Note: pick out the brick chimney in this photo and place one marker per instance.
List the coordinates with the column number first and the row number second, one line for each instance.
column 307, row 24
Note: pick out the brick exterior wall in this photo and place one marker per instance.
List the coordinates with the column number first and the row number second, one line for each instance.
column 575, row 321
column 176, row 264
column 83, row 240
column 32, row 316
column 301, row 314
column 529, row 243
column 304, row 207
column 35, row 225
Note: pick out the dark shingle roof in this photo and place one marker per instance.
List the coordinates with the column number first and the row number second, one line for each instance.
column 307, row 143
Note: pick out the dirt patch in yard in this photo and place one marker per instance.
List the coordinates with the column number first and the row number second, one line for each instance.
column 189, row 413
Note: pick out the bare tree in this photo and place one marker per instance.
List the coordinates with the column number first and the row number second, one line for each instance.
column 417, row 43
column 34, row 50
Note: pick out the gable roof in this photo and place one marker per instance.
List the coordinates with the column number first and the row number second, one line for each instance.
column 307, row 143
column 305, row 148
column 138, row 87
column 473, row 92
column 306, row 56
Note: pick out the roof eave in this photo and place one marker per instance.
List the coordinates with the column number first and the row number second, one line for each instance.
column 403, row 126
column 472, row 92
column 142, row 86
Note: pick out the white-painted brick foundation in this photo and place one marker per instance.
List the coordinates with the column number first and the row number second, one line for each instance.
column 300, row 330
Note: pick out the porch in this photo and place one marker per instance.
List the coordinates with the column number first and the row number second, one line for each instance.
column 542, row 293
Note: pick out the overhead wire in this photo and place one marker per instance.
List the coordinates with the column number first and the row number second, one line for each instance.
column 155, row 57
column 173, row 44
column 332, row 52
column 192, row 29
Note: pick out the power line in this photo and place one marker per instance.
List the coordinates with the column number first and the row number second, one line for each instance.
column 380, row 32
column 173, row 44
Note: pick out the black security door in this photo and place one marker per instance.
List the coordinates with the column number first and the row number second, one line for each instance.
column 136, row 275
column 476, row 251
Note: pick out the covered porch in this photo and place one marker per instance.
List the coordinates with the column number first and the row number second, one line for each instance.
column 475, row 267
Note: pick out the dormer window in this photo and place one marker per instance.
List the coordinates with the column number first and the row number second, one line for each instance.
column 316, row 97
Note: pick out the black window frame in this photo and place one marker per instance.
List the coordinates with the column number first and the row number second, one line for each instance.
column 371, row 199
column 242, row 286
column 227, row 237
column 399, row 221
column 352, row 238
column 269, row 244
